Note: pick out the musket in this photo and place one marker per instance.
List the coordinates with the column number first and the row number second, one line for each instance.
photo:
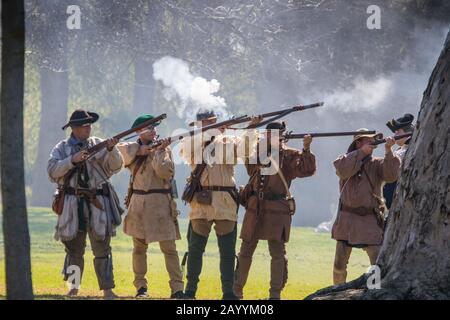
column 282, row 113
column 238, row 120
column 399, row 137
column 225, row 123
column 92, row 150
column 291, row 135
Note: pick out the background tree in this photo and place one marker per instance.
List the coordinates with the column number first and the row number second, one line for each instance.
column 15, row 224
column 48, row 38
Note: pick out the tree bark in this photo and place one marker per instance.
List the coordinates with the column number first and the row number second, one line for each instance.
column 15, row 224
column 54, row 99
column 415, row 257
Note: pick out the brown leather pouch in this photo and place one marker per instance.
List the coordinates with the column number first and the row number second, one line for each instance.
column 58, row 201
column 379, row 214
column 204, row 197
column 244, row 195
column 60, row 193
column 292, row 206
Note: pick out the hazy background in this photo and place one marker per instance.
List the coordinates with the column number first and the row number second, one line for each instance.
column 237, row 57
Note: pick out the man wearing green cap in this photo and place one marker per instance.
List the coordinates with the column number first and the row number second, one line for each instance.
column 152, row 213
column 360, row 219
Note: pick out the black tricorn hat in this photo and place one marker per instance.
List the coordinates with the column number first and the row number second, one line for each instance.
column 400, row 123
column 81, row 118
column 204, row 115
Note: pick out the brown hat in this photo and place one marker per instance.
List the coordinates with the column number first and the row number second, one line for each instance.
column 362, row 133
column 81, row 118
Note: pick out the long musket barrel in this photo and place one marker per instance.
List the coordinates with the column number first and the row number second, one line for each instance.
column 243, row 119
column 99, row 146
column 284, row 112
column 294, row 108
column 324, row 134
column 399, row 137
column 225, row 123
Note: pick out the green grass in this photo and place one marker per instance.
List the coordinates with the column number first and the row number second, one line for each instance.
column 310, row 264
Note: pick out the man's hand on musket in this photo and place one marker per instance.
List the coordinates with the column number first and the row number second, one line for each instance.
column 255, row 120
column 80, row 156
column 307, row 142
column 164, row 144
column 110, row 143
column 390, row 141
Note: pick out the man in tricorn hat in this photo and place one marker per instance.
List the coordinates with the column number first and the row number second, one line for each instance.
column 216, row 204
column 91, row 206
column 269, row 209
column 152, row 214
column 360, row 219
column 399, row 127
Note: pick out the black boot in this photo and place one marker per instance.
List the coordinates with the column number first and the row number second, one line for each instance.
column 142, row 293
column 227, row 249
column 229, row 296
column 197, row 244
column 178, row 295
column 190, row 295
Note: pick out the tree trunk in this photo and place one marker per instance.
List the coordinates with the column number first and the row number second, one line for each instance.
column 54, row 97
column 15, row 224
column 415, row 257
column 144, row 87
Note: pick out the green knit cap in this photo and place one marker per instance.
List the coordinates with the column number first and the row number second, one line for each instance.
column 142, row 119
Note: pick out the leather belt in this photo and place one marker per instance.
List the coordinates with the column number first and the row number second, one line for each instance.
column 269, row 196
column 361, row 211
column 232, row 191
column 219, row 188
column 81, row 191
column 144, row 192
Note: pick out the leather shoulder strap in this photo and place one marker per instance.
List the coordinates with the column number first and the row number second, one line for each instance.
column 139, row 160
column 368, row 179
column 282, row 177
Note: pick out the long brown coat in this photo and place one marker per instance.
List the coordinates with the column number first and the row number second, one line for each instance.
column 357, row 192
column 151, row 217
column 273, row 220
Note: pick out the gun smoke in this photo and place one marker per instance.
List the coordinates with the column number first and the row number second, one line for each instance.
column 190, row 92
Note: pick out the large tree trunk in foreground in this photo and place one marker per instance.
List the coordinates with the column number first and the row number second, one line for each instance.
column 415, row 258
column 15, row 224
column 54, row 96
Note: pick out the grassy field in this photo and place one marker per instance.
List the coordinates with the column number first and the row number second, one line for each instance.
column 310, row 265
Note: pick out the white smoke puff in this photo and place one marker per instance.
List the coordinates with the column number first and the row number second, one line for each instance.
column 364, row 95
column 202, row 92
column 193, row 92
